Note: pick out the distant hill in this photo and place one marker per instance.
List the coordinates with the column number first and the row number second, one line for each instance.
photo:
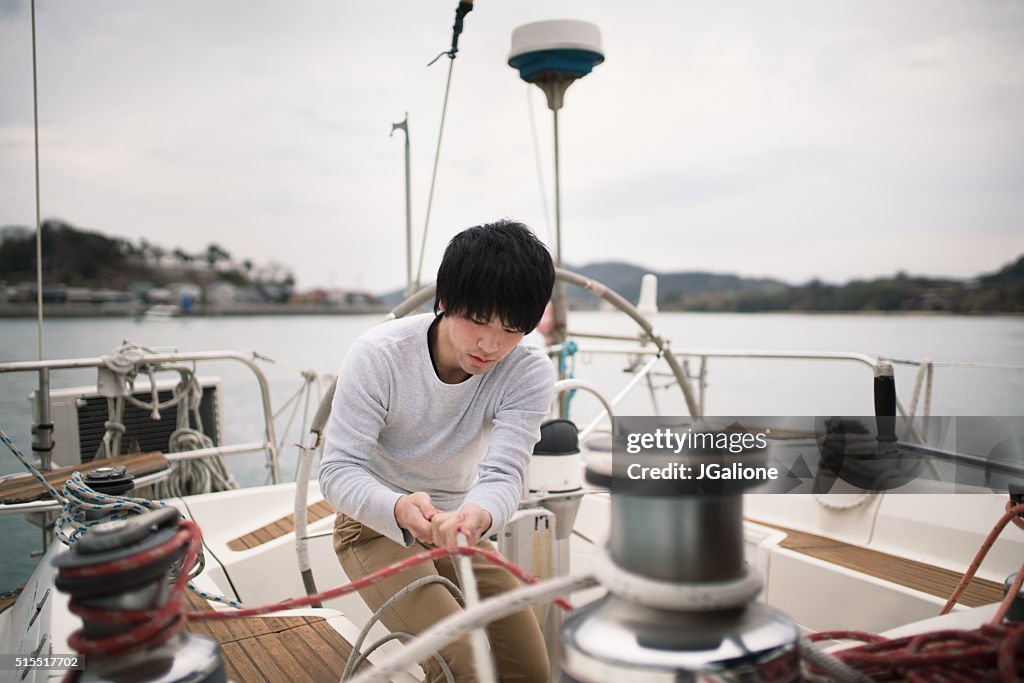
column 999, row 292
column 80, row 258
column 73, row 257
column 675, row 290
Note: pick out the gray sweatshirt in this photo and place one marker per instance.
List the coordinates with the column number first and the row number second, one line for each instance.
column 396, row 428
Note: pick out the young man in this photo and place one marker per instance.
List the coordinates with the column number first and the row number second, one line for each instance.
column 431, row 430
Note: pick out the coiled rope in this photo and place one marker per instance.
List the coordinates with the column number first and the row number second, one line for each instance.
column 187, row 477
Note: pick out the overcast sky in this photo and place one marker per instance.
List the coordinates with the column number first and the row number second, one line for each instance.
column 784, row 139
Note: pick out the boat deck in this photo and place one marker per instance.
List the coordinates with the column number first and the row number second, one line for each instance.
column 912, row 574
column 276, row 649
column 279, row 527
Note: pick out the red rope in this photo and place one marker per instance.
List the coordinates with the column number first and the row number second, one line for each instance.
column 994, row 652
column 990, row 653
column 1012, row 513
column 156, row 626
column 163, row 623
column 371, row 579
column 845, row 635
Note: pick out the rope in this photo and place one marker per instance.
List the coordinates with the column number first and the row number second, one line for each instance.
column 369, row 580
column 924, row 370
column 481, row 655
column 157, row 626
column 83, row 508
column 192, row 476
column 704, row 596
column 405, row 636
column 1012, row 512
column 29, row 466
column 813, row 657
column 484, row 613
column 187, row 477
column 172, row 616
column 355, row 658
column 989, row 653
column 830, row 504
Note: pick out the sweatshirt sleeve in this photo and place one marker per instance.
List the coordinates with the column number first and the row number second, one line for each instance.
column 358, row 412
column 516, row 429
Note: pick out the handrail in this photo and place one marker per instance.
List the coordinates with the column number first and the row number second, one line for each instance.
column 156, row 358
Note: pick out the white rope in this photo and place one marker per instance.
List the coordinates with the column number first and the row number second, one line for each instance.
column 835, row 670
column 482, row 614
column 80, row 502
column 927, row 400
column 357, row 657
column 187, row 477
column 922, row 370
column 830, row 504
column 703, row 596
column 478, row 638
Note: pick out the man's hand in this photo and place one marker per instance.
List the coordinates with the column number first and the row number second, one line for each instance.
column 413, row 513
column 470, row 520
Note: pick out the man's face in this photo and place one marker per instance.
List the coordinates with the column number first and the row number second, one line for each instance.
column 476, row 345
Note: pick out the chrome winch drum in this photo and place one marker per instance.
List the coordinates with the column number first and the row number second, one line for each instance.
column 682, row 603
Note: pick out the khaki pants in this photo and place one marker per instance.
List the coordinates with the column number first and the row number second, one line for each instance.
column 516, row 641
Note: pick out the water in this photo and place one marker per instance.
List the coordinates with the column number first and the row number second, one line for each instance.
column 736, row 386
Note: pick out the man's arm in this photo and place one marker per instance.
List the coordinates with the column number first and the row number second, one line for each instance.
column 502, row 472
column 358, row 412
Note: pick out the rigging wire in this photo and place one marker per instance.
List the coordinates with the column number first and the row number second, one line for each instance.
column 464, row 7
column 433, row 175
column 39, row 221
column 541, row 185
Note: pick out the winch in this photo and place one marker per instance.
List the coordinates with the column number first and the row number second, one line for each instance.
column 118, row 569
column 681, row 602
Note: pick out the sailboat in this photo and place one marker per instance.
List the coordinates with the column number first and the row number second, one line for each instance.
column 866, row 531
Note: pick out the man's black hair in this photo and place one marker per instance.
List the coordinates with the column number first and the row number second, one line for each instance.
column 496, row 270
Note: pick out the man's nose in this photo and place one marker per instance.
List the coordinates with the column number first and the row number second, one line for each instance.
column 489, row 342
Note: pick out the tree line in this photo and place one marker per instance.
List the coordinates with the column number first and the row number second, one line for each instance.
column 82, row 258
